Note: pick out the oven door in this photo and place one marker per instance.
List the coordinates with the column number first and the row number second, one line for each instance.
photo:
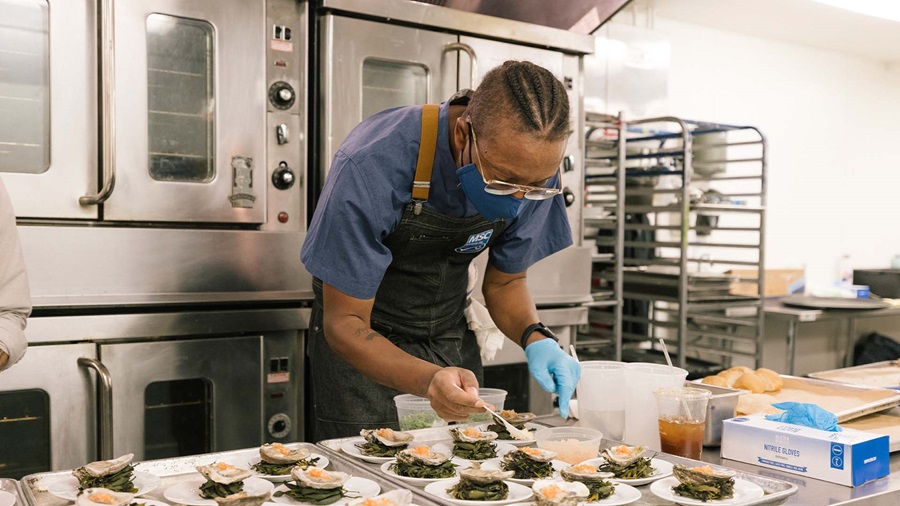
column 47, row 417
column 369, row 67
column 185, row 397
column 48, row 106
column 190, row 106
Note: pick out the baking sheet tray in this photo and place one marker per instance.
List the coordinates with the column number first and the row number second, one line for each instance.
column 845, row 401
column 887, row 423
column 777, row 491
column 175, row 470
column 879, row 374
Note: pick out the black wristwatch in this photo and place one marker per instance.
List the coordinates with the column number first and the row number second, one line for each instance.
column 536, row 327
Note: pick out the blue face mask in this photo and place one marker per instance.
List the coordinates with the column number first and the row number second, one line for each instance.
column 491, row 207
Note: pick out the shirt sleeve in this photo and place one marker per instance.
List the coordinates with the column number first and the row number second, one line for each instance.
column 15, row 298
column 540, row 230
column 345, row 243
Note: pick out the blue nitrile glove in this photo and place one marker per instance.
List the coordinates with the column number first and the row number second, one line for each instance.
column 554, row 370
column 808, row 415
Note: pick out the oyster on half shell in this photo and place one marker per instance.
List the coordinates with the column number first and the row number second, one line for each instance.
column 422, row 454
column 314, row 477
column 704, row 475
column 387, row 437
column 242, row 499
column 223, row 473
column 559, row 493
column 103, row 467
column 277, row 453
column 484, row 476
column 471, row 435
column 535, row 454
column 397, row 497
column 624, row 455
column 585, row 473
column 517, row 419
column 103, row 497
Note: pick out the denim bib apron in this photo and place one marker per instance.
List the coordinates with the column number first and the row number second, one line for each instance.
column 418, row 307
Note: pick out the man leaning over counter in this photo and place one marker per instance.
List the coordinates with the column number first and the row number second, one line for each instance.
column 413, row 195
column 15, row 299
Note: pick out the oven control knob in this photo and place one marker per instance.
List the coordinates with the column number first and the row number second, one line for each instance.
column 568, row 196
column 282, row 95
column 279, row 425
column 283, row 177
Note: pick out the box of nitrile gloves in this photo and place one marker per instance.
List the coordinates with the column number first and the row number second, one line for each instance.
column 848, row 457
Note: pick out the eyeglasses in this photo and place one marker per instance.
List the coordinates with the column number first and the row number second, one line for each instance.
column 497, row 187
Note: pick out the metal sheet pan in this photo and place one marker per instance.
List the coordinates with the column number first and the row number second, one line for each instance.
column 777, row 491
column 845, row 401
column 175, row 470
column 884, row 374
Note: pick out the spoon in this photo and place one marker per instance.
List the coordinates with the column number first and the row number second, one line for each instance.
column 521, row 435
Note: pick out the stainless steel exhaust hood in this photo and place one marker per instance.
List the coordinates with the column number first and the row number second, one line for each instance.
column 582, row 16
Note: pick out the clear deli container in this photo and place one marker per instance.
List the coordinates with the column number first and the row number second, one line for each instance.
column 416, row 412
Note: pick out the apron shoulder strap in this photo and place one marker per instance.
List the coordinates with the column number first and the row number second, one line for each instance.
column 427, row 147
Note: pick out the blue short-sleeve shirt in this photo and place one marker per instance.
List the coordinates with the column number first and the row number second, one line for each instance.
column 368, row 187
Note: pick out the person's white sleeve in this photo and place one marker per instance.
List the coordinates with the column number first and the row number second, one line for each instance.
column 15, row 298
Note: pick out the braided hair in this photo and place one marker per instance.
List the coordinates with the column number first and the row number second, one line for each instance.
column 528, row 95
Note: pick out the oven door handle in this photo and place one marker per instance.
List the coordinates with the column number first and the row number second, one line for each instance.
column 104, row 405
column 108, row 105
column 473, row 69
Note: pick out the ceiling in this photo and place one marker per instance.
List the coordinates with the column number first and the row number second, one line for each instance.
column 803, row 22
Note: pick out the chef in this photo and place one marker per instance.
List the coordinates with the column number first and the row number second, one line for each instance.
column 413, row 195
column 15, row 299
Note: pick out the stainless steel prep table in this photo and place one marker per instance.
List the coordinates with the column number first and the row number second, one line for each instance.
column 795, row 316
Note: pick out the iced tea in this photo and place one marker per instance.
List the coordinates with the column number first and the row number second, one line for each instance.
column 681, row 436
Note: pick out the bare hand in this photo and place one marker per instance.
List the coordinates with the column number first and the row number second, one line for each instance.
column 453, row 393
column 3, row 358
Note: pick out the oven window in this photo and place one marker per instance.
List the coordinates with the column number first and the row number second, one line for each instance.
column 24, row 433
column 24, row 86
column 181, row 99
column 389, row 84
column 177, row 418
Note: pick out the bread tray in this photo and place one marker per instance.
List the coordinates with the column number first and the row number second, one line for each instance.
column 178, row 469
column 847, row 402
column 777, row 491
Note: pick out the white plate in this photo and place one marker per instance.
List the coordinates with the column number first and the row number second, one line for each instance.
column 517, row 493
column 149, row 502
column 514, row 442
column 421, row 482
column 7, row 499
column 188, row 492
column 447, row 447
column 350, row 448
column 322, row 463
column 624, row 494
column 558, row 466
column 744, row 491
column 662, row 470
column 66, row 487
column 362, row 487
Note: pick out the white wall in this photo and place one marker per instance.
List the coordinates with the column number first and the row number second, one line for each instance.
column 833, row 125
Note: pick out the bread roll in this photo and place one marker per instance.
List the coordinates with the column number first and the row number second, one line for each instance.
column 752, row 382
column 716, row 381
column 730, row 376
column 741, row 368
column 756, row 404
column 772, row 377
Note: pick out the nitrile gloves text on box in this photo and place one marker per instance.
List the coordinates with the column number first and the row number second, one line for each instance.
column 848, row 458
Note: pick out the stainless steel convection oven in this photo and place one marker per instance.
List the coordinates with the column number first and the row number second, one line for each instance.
column 155, row 153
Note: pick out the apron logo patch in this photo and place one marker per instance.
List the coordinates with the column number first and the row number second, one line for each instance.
column 476, row 242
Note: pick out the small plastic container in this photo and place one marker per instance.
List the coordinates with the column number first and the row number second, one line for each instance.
column 416, row 412
column 571, row 444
